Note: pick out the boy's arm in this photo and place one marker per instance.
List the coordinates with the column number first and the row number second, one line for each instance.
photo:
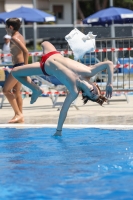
column 23, row 48
column 110, row 69
column 103, row 66
column 63, row 113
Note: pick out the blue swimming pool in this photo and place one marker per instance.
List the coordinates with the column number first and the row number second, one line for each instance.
column 87, row 163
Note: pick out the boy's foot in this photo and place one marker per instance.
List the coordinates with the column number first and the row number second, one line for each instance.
column 35, row 95
column 17, row 119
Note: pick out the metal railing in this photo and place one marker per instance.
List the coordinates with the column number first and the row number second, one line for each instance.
column 118, row 50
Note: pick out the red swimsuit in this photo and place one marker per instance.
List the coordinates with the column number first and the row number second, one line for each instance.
column 43, row 60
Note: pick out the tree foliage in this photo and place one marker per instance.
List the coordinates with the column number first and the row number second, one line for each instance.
column 124, row 4
column 89, row 7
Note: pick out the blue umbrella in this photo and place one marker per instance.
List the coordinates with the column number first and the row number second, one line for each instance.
column 28, row 15
column 110, row 15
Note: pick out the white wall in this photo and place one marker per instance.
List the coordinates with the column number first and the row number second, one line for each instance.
column 67, row 10
column 14, row 4
column 43, row 5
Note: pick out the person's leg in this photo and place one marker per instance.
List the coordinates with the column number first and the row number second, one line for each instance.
column 7, row 90
column 21, row 73
column 17, row 92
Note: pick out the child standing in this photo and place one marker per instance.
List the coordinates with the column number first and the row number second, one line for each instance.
column 19, row 54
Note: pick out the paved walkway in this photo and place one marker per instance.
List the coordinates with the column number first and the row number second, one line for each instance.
column 41, row 112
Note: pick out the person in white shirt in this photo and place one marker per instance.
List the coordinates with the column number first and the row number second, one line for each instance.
column 6, row 49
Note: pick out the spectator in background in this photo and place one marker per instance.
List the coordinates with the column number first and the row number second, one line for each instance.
column 6, row 49
column 19, row 54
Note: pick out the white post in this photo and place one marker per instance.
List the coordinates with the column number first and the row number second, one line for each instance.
column 23, row 29
column 111, row 3
column 35, row 34
column 74, row 13
column 113, row 35
column 34, row 3
column 112, row 25
column 34, row 29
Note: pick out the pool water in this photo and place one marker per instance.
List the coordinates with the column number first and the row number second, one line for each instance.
column 87, row 163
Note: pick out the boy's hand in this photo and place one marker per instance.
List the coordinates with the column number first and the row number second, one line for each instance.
column 109, row 90
column 58, row 133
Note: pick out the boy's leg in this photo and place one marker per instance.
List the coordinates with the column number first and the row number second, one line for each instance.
column 18, row 95
column 7, row 90
column 21, row 74
column 27, row 70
